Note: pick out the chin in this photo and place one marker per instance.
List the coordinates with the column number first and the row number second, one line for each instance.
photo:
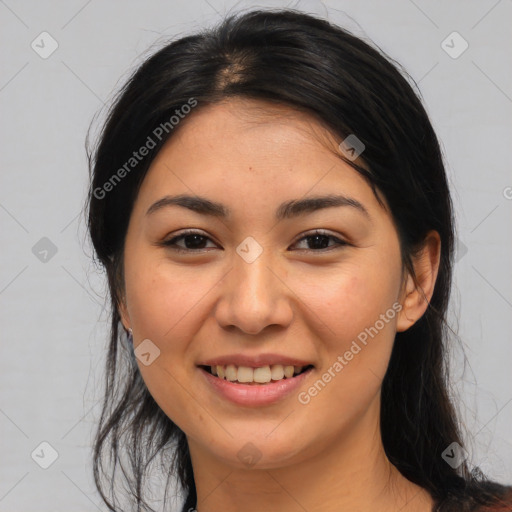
column 256, row 449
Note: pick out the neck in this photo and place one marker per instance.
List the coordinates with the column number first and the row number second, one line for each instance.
column 353, row 473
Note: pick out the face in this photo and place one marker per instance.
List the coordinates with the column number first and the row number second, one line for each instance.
column 312, row 286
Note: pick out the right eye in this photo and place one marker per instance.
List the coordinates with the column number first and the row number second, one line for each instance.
column 194, row 241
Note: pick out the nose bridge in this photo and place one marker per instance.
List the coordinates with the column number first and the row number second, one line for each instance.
column 254, row 279
column 253, row 295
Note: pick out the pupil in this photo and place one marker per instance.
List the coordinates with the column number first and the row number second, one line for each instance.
column 198, row 240
column 321, row 245
column 319, row 241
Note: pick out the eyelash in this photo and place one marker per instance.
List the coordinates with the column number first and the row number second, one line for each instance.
column 171, row 243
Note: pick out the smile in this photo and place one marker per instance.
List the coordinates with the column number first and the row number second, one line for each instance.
column 245, row 390
column 255, row 375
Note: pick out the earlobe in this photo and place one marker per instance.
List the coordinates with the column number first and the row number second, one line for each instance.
column 406, row 317
column 123, row 313
column 416, row 295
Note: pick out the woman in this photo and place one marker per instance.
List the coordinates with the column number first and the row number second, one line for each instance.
column 269, row 201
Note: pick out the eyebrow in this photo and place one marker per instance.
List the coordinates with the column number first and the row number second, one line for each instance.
column 286, row 210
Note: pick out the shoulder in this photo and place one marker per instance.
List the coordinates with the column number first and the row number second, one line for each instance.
column 479, row 496
column 503, row 503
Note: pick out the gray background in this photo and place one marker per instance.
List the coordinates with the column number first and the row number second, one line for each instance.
column 52, row 317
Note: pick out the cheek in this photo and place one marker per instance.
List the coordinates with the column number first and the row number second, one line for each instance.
column 162, row 302
column 356, row 306
column 349, row 300
column 164, row 308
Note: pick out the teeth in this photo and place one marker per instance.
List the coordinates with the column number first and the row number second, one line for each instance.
column 277, row 372
column 245, row 374
column 261, row 375
column 231, row 372
column 288, row 371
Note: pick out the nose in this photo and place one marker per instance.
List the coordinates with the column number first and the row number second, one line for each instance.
column 254, row 296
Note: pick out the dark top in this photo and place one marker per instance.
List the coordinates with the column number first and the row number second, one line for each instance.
column 502, row 505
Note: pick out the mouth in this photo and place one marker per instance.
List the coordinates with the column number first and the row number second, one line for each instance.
column 256, row 376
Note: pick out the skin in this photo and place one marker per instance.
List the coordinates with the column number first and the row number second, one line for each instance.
column 294, row 299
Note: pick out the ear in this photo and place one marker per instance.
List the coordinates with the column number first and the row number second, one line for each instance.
column 123, row 313
column 415, row 296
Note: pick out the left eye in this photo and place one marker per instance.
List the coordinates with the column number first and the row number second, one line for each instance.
column 194, row 241
column 319, row 238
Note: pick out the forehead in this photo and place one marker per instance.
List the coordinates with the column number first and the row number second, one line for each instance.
column 239, row 131
column 233, row 126
column 254, row 153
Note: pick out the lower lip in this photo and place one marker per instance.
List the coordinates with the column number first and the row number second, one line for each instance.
column 255, row 394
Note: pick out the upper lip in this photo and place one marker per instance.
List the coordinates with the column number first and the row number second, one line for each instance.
column 254, row 361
